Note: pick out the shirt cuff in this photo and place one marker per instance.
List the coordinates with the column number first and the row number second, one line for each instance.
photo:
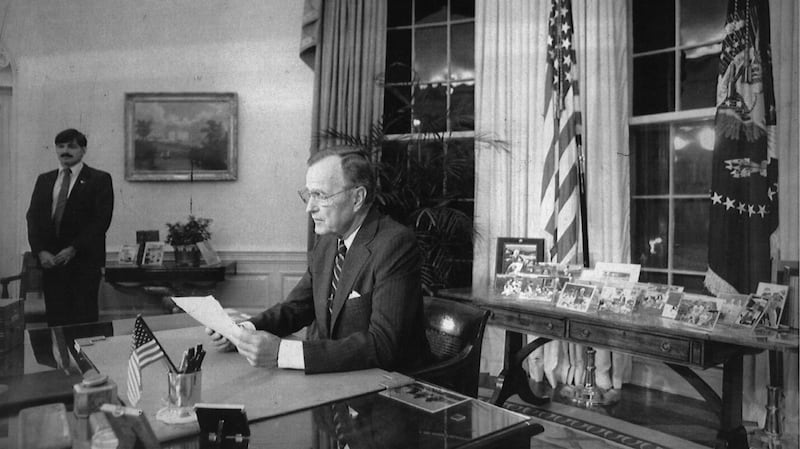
column 247, row 325
column 290, row 355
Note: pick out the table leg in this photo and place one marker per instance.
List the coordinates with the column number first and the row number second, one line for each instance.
column 514, row 379
column 732, row 434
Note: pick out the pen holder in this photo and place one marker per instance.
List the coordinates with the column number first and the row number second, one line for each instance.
column 183, row 389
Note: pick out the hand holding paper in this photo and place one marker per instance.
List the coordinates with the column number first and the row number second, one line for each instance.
column 208, row 311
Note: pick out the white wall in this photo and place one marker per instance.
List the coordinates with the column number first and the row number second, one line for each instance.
column 73, row 63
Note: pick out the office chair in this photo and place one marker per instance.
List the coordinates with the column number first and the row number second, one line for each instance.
column 455, row 336
column 30, row 281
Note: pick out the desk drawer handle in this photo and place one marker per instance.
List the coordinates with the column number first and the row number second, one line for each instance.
column 665, row 346
column 585, row 333
column 549, row 326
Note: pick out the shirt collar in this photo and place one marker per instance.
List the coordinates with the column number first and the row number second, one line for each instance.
column 349, row 239
column 75, row 169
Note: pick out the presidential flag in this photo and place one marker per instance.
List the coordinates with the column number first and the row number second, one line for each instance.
column 560, row 201
column 144, row 351
column 744, row 177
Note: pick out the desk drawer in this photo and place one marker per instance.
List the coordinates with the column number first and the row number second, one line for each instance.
column 659, row 346
column 530, row 324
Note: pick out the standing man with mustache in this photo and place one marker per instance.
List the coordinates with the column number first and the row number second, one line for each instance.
column 68, row 217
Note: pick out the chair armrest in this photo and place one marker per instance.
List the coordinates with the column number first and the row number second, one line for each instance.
column 5, row 281
column 444, row 365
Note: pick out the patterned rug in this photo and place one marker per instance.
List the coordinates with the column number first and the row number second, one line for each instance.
column 568, row 427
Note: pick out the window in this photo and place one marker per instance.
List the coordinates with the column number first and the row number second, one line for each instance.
column 676, row 46
column 429, row 85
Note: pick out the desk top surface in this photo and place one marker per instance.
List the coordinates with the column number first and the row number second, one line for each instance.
column 290, row 409
column 722, row 333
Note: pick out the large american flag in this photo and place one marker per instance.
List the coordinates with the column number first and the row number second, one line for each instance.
column 144, row 351
column 560, row 201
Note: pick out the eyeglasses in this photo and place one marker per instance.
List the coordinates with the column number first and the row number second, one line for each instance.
column 319, row 197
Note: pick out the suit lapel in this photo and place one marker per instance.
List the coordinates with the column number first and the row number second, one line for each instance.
column 322, row 288
column 357, row 256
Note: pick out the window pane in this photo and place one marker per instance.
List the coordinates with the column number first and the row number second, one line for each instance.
column 694, row 146
column 702, row 21
column 430, row 108
column 462, row 9
column 691, row 234
column 654, row 84
column 650, row 232
column 699, row 77
column 426, row 170
column 398, row 13
column 460, row 169
column 431, row 54
column 430, row 11
column 397, row 109
column 462, row 66
column 653, row 25
column 650, row 159
column 462, row 107
column 691, row 284
column 398, row 56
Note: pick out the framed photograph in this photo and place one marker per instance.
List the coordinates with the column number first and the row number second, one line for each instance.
column 698, row 311
column 128, row 255
column 576, row 296
column 153, row 254
column 775, row 294
column 626, row 272
column 180, row 136
column 518, row 255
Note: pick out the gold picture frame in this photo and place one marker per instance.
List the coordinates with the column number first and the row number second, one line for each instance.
column 181, row 136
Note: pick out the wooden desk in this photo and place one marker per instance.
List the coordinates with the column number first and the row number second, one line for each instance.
column 168, row 273
column 290, row 409
column 168, row 279
column 657, row 338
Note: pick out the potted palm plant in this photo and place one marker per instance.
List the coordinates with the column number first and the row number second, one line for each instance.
column 184, row 236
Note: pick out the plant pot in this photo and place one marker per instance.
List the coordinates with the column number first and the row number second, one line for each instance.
column 187, row 255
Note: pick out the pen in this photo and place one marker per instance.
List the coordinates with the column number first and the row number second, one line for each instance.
column 184, row 362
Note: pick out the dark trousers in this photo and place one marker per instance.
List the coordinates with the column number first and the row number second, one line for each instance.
column 70, row 294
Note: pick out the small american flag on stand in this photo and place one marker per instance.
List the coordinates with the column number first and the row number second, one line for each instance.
column 145, row 350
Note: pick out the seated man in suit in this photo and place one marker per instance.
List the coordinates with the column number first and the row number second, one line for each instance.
column 361, row 294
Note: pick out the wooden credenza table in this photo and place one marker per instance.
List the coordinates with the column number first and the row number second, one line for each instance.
column 678, row 346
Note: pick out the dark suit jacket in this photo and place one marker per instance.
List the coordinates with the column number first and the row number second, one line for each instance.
column 383, row 327
column 86, row 218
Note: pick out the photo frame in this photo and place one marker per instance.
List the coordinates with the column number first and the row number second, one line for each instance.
column 153, row 254
column 518, row 255
column 128, row 254
column 181, row 136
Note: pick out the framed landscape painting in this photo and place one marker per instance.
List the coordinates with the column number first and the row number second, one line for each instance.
column 180, row 136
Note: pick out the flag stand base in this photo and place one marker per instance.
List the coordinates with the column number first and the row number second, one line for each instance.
column 589, row 395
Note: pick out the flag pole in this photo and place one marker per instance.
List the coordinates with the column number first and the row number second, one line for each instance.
column 166, row 356
column 582, row 195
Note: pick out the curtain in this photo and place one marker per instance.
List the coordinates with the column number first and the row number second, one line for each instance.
column 510, row 38
column 346, row 39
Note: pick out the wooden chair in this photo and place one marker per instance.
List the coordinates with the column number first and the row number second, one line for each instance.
column 455, row 335
column 30, row 281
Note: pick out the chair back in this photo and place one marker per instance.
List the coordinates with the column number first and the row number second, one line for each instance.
column 30, row 281
column 455, row 336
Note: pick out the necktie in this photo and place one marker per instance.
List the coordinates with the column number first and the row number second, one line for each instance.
column 337, row 271
column 61, row 201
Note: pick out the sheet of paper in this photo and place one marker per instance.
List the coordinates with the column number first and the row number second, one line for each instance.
column 208, row 311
